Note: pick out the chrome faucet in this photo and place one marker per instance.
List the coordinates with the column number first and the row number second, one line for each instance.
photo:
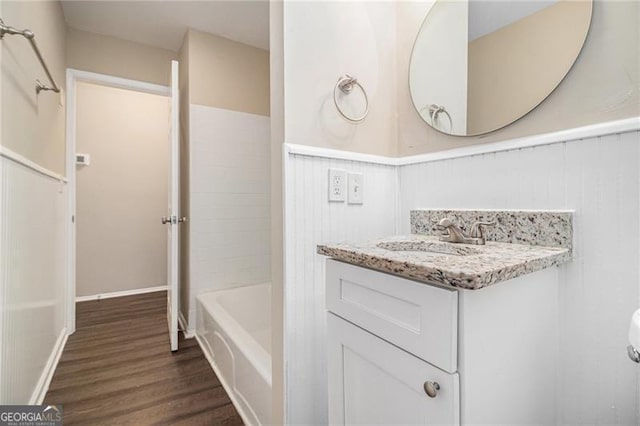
column 455, row 235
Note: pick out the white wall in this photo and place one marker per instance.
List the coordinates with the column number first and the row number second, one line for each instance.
column 599, row 179
column 229, row 222
column 33, row 279
column 309, row 220
column 32, row 214
column 123, row 193
column 219, row 76
column 322, row 42
column 442, row 36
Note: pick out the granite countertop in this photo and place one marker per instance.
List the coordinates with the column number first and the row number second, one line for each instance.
column 462, row 266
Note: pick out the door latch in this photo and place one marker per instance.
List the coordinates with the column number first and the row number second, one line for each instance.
column 173, row 220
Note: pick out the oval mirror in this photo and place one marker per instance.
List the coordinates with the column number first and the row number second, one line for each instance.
column 479, row 65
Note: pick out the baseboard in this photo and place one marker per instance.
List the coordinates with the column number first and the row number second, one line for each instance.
column 189, row 333
column 47, row 374
column 227, row 386
column 121, row 293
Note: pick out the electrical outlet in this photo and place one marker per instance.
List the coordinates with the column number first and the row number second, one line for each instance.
column 337, row 185
column 356, row 188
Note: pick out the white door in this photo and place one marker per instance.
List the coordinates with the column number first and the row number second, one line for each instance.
column 372, row 382
column 173, row 219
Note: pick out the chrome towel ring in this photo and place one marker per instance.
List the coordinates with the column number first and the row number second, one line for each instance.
column 434, row 111
column 346, row 83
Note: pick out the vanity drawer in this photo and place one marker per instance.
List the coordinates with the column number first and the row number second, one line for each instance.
column 419, row 318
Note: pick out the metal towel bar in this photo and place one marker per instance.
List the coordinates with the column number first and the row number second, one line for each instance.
column 29, row 35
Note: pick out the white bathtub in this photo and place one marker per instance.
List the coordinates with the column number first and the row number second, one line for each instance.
column 234, row 331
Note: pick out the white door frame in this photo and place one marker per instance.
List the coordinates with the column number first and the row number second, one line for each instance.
column 74, row 76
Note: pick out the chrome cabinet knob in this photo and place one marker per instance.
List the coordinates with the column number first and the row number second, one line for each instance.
column 165, row 220
column 182, row 220
column 431, row 388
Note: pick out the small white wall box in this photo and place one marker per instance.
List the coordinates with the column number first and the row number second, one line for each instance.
column 83, row 159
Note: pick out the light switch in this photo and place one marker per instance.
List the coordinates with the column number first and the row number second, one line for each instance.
column 356, row 188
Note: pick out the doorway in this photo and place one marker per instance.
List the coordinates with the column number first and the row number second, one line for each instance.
column 133, row 126
column 121, row 191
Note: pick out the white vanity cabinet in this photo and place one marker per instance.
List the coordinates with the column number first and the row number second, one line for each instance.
column 405, row 352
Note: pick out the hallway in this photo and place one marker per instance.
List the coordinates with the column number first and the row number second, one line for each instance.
column 117, row 369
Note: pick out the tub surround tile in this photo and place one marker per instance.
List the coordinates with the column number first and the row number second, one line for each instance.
column 479, row 266
column 538, row 228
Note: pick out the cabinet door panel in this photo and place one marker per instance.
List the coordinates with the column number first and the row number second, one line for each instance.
column 374, row 382
column 420, row 318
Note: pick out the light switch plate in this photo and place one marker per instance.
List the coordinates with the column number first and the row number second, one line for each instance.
column 337, row 185
column 355, row 187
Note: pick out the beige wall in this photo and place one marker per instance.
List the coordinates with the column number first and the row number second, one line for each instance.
column 603, row 85
column 227, row 74
column 322, row 42
column 512, row 69
column 121, row 58
column 33, row 125
column 121, row 244
column 276, row 60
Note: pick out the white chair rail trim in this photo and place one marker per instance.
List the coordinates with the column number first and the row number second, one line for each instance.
column 600, row 129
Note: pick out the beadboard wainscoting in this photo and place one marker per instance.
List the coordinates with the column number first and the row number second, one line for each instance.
column 32, row 277
column 598, row 177
column 594, row 171
column 311, row 219
column 229, row 223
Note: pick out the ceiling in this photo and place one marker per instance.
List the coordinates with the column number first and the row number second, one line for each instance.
column 487, row 16
column 163, row 23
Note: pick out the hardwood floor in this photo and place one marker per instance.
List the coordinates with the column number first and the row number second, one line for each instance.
column 117, row 369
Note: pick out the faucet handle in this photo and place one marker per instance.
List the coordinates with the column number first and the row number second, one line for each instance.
column 476, row 229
